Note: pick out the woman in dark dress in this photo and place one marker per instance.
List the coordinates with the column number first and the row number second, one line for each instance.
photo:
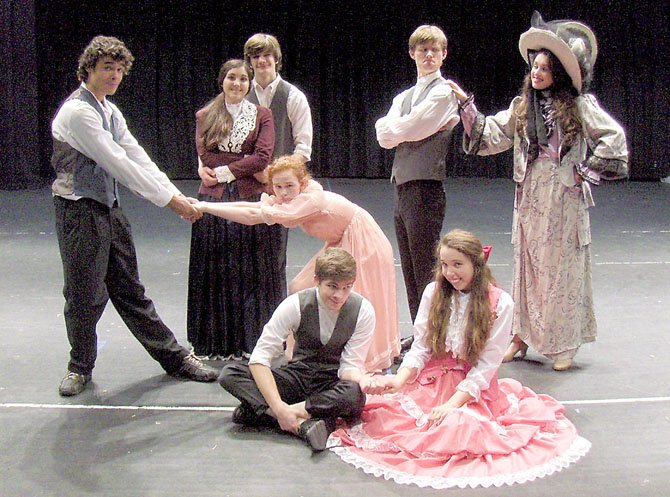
column 234, row 283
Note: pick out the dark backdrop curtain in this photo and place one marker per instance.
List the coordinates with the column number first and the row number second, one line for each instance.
column 349, row 57
column 21, row 150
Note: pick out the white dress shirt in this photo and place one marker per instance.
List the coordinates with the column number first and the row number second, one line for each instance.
column 79, row 125
column 437, row 110
column 286, row 319
column 298, row 111
column 479, row 377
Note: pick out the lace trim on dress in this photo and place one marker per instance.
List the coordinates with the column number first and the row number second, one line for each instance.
column 408, row 405
column 364, row 441
column 470, row 387
column 579, row 447
column 242, row 128
column 513, row 401
column 457, row 323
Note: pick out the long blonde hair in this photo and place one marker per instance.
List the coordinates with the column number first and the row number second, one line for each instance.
column 217, row 121
column 479, row 315
column 563, row 93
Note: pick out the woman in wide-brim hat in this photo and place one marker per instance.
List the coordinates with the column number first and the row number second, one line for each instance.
column 563, row 141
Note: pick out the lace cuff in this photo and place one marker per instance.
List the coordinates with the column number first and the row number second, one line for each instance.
column 223, row 174
column 470, row 387
column 587, row 174
column 607, row 169
column 267, row 218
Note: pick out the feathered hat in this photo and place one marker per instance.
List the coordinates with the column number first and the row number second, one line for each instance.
column 573, row 43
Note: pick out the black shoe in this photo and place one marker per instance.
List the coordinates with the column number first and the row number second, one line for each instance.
column 315, row 432
column 73, row 384
column 406, row 343
column 193, row 369
column 243, row 415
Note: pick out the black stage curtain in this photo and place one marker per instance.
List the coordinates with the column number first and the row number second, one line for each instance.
column 349, row 57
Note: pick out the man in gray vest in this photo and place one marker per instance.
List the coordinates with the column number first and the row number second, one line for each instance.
column 333, row 328
column 93, row 149
column 290, row 112
column 418, row 127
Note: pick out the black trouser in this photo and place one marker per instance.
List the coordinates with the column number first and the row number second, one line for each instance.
column 99, row 264
column 418, row 215
column 280, row 247
column 325, row 395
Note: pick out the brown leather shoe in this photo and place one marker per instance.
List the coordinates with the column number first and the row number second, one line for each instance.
column 73, row 384
column 193, row 369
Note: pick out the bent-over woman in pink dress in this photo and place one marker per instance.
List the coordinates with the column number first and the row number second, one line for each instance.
column 298, row 200
column 445, row 420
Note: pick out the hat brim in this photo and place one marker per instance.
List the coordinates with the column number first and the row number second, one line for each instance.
column 535, row 39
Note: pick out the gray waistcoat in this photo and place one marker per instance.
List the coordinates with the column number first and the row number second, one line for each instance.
column 284, row 144
column 425, row 159
column 79, row 174
column 308, row 346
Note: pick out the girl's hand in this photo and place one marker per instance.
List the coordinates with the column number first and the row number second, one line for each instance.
column 379, row 384
column 392, row 383
column 437, row 414
column 460, row 95
column 208, row 176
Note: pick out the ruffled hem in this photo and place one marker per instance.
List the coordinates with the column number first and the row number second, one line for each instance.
column 579, row 447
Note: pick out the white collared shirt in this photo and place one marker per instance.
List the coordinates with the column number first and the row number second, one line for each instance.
column 437, row 110
column 79, row 125
column 298, row 111
column 234, row 109
column 286, row 319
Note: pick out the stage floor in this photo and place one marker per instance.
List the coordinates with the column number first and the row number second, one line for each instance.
column 137, row 432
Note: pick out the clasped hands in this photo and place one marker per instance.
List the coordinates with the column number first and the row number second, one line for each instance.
column 387, row 384
column 380, row 384
column 184, row 207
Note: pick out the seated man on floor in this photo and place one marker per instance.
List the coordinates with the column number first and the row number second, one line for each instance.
column 333, row 328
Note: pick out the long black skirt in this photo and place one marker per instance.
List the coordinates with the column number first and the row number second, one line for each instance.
column 235, row 281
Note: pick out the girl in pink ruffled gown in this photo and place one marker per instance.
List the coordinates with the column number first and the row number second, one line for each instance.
column 445, row 420
column 300, row 201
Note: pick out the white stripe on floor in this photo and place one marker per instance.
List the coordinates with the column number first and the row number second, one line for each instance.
column 93, row 407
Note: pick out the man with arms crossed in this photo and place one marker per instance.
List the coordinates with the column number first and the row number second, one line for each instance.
column 418, row 126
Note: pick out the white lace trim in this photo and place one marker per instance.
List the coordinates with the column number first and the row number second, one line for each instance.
column 470, row 386
column 579, row 447
column 242, row 128
column 408, row 405
column 457, row 323
column 495, row 426
column 513, row 404
column 364, row 442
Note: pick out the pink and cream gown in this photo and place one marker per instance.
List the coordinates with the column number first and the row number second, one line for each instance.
column 340, row 223
column 506, row 434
